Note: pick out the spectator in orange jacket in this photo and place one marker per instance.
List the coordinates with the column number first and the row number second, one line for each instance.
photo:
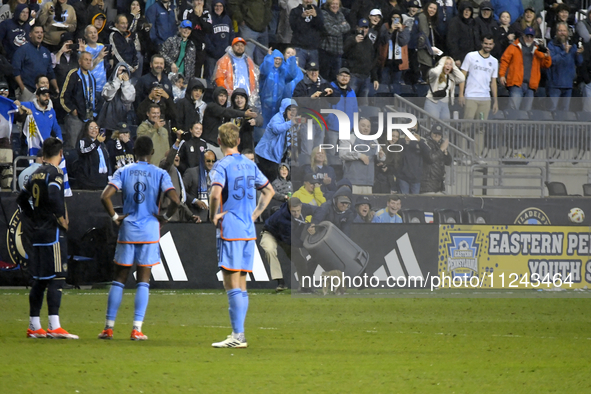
column 520, row 69
column 236, row 70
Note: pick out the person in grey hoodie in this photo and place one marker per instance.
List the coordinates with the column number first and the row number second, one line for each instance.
column 282, row 185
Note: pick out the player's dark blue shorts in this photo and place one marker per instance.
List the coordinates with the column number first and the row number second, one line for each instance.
column 50, row 260
column 235, row 255
column 141, row 254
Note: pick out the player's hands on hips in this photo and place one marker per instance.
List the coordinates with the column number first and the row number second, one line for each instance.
column 161, row 218
column 120, row 219
column 217, row 218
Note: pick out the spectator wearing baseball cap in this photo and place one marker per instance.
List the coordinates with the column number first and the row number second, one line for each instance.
column 43, row 119
column 237, row 70
column 179, row 52
column 528, row 19
column 462, row 36
column 375, row 23
column 485, row 22
column 363, row 210
column 310, row 192
column 520, row 69
column 341, row 87
column 312, row 86
column 307, row 24
column 362, row 60
column 120, row 147
column 435, row 160
column 331, row 44
column 362, row 8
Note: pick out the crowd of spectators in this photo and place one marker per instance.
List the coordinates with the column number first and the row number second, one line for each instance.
column 98, row 73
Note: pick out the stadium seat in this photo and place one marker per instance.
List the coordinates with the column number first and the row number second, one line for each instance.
column 516, row 114
column 446, row 216
column 556, row 189
column 500, row 115
column 563, row 116
column 587, row 189
column 584, row 116
column 474, row 216
column 413, row 216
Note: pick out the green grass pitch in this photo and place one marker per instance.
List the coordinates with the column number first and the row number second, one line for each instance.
column 304, row 345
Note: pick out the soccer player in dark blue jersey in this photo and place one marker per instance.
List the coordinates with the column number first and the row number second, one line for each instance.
column 233, row 210
column 45, row 220
column 139, row 235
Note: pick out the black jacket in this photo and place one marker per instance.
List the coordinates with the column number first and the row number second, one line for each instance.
column 87, row 168
column 287, row 229
column 307, row 31
column 361, row 57
column 327, row 211
column 462, row 35
column 434, row 162
column 191, row 153
column 73, row 94
column 246, row 130
column 216, row 115
column 412, row 163
column 187, row 114
column 306, row 87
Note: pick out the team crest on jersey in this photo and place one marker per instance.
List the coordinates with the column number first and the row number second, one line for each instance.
column 14, row 241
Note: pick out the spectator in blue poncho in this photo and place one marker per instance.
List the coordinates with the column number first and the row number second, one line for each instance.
column 274, row 75
column 290, row 86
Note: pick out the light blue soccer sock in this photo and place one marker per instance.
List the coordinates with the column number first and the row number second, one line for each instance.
column 244, row 308
column 235, row 303
column 142, row 294
column 114, row 300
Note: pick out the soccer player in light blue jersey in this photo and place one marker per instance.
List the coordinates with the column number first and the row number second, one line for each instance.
column 233, row 210
column 142, row 184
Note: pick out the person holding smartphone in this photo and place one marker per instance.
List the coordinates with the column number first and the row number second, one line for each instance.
column 393, row 51
column 94, row 165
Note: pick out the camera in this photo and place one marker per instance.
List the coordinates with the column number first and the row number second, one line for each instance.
column 395, row 21
column 74, row 47
column 309, row 7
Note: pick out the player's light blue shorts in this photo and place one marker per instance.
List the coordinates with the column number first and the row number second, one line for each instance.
column 235, row 255
column 142, row 254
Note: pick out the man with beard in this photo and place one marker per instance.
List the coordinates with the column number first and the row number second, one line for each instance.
column 565, row 58
column 520, row 69
column 156, row 74
column 14, row 32
column 43, row 117
column 481, row 70
column 237, row 70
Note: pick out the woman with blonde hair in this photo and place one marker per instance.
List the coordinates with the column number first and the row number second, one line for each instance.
column 321, row 170
column 442, row 81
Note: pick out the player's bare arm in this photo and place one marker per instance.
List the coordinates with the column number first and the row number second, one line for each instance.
column 267, row 194
column 108, row 192
column 215, row 198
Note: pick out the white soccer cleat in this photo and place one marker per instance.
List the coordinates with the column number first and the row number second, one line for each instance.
column 232, row 341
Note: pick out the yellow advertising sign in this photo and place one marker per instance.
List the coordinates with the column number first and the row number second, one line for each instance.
column 514, row 257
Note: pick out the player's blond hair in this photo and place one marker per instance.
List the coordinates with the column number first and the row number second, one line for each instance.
column 229, row 134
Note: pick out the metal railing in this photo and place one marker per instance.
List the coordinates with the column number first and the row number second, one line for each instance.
column 508, row 154
column 16, row 170
column 497, row 174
